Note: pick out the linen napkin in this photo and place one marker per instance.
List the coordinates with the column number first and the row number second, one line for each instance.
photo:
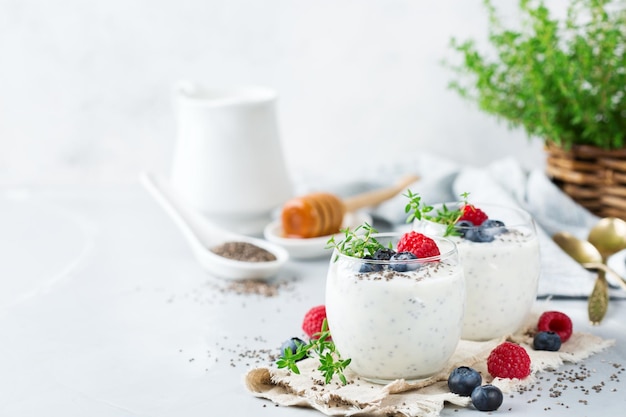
column 424, row 398
column 504, row 182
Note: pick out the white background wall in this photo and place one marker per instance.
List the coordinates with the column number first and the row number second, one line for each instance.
column 85, row 86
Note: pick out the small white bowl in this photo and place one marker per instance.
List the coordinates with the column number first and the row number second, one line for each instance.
column 314, row 247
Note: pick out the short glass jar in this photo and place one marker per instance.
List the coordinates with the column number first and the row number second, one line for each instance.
column 396, row 319
column 501, row 264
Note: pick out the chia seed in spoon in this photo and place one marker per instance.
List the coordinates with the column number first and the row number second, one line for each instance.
column 243, row 251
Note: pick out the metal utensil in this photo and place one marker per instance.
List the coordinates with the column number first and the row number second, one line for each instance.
column 608, row 236
column 586, row 254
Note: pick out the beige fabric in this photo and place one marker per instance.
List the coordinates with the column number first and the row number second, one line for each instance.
column 422, row 399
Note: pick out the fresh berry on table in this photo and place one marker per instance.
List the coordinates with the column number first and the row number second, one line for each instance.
column 549, row 341
column 557, row 322
column 463, row 380
column 313, row 320
column 291, row 344
column 508, row 360
column 320, row 345
column 487, row 397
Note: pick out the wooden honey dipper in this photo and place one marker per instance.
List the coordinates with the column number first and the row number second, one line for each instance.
column 321, row 214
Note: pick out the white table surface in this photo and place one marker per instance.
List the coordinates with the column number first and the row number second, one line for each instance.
column 104, row 312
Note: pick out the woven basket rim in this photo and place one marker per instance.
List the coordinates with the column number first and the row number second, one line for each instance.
column 585, row 151
column 593, row 177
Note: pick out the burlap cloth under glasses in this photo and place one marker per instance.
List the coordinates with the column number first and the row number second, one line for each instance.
column 422, row 399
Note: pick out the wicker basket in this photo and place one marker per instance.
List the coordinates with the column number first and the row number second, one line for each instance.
column 595, row 178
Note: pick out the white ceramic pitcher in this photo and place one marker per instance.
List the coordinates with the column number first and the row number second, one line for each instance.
column 228, row 160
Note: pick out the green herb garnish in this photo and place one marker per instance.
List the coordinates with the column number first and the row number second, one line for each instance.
column 416, row 210
column 322, row 346
column 355, row 244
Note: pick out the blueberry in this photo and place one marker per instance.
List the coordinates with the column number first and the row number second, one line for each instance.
column 493, row 227
column 463, row 380
column 462, row 226
column 487, row 397
column 550, row 341
column 403, row 266
column 492, row 223
column 465, row 223
column 383, row 254
column 291, row 344
column 369, row 266
column 478, row 234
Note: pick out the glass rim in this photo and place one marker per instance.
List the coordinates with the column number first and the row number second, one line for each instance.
column 442, row 255
column 526, row 218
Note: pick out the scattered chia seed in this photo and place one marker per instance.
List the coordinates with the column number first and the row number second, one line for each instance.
column 572, row 378
column 243, row 251
column 262, row 288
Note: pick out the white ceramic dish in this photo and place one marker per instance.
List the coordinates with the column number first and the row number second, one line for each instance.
column 314, row 247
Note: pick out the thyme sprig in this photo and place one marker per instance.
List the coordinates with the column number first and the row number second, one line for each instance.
column 356, row 244
column 559, row 78
column 322, row 347
column 417, row 210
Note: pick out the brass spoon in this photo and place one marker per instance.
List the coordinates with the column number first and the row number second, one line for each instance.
column 608, row 236
column 598, row 302
column 586, row 254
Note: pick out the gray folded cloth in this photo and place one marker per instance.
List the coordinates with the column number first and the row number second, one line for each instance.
column 505, row 182
column 502, row 182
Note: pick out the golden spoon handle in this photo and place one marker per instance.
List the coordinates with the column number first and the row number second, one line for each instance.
column 596, row 265
column 598, row 302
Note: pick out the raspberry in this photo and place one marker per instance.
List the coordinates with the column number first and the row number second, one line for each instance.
column 313, row 320
column 418, row 244
column 473, row 214
column 557, row 322
column 508, row 360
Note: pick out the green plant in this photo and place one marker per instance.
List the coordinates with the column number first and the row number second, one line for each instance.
column 562, row 80
column 417, row 210
column 321, row 346
column 356, row 244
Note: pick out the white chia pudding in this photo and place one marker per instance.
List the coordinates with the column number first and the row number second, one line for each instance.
column 396, row 324
column 501, row 266
column 501, row 280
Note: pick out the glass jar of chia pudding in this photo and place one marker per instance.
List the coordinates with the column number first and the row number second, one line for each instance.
column 501, row 264
column 397, row 318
